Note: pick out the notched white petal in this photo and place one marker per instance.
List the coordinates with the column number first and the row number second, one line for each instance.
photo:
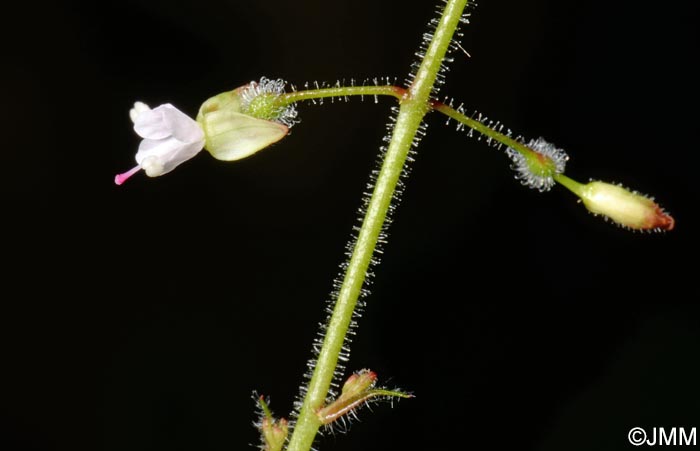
column 152, row 124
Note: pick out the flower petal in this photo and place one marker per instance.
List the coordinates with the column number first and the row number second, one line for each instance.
column 168, row 153
column 151, row 124
column 182, row 127
column 157, row 148
column 139, row 107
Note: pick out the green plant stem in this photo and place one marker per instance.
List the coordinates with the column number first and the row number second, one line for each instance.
column 483, row 129
column 570, row 184
column 404, row 96
column 414, row 106
column 340, row 91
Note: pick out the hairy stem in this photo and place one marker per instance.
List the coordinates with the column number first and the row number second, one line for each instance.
column 514, row 144
column 405, row 96
column 414, row 106
column 340, row 91
column 482, row 128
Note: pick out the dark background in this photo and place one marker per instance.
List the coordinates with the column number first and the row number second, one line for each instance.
column 142, row 317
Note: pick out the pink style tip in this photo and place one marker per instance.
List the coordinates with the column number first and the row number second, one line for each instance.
column 121, row 178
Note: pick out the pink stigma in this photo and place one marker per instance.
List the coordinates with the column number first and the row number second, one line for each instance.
column 121, row 178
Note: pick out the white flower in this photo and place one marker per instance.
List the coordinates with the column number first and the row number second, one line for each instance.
column 170, row 137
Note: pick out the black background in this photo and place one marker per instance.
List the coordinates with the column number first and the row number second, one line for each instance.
column 142, row 317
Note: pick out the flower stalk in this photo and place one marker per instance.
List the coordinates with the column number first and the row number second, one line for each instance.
column 291, row 98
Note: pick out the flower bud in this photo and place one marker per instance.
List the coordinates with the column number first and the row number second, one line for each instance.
column 274, row 433
column 358, row 390
column 358, row 383
column 624, row 207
